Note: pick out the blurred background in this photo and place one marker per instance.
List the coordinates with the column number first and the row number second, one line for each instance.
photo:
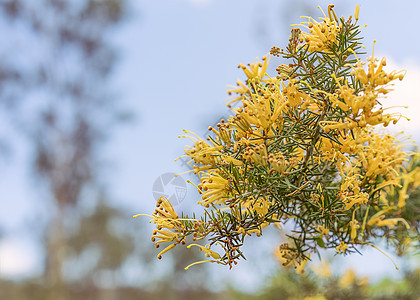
column 93, row 96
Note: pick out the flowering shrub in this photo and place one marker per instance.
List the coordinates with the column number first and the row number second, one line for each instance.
column 303, row 147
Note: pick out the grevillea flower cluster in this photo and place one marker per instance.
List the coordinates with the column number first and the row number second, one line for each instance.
column 304, row 146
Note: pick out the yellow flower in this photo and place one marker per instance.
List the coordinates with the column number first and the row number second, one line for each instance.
column 214, row 188
column 164, row 207
column 299, row 269
column 260, row 205
column 164, row 235
column 241, row 121
column 256, row 71
column 342, row 248
column 241, row 90
column 408, row 179
column 263, row 110
column 375, row 76
column 323, row 231
column 317, row 297
column 354, row 225
column 201, row 152
column 170, row 247
column 293, row 95
column 322, row 270
column 351, row 193
column 288, row 257
column 402, row 194
column 165, row 216
column 349, row 201
column 284, row 71
column 348, row 279
column 382, row 155
column 207, row 250
column 257, row 155
column 278, row 162
column 322, row 35
column 379, row 220
column 356, row 14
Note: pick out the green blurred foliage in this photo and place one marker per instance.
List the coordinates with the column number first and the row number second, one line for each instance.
column 284, row 285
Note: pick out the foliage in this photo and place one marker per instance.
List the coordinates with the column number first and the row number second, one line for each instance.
column 283, row 285
column 314, row 285
column 303, row 147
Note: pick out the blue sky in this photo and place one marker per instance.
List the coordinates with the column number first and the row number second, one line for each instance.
column 176, row 59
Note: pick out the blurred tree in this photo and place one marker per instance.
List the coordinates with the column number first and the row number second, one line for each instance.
column 53, row 83
column 97, row 248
